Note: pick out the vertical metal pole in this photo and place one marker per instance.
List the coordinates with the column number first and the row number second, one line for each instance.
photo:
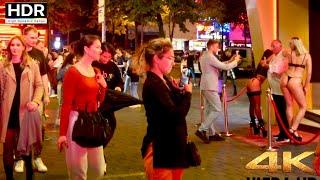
column 270, row 148
column 103, row 32
column 225, row 111
column 201, row 110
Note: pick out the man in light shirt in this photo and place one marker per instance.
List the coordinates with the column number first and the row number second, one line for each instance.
column 211, row 66
column 278, row 64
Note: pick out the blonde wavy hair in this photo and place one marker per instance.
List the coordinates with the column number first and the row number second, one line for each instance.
column 298, row 46
column 24, row 55
column 142, row 60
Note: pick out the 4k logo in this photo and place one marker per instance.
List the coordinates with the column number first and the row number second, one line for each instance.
column 288, row 161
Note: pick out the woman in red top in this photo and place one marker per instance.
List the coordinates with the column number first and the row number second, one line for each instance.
column 83, row 89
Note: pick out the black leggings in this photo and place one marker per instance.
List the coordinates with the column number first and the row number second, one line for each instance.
column 9, row 149
column 281, row 106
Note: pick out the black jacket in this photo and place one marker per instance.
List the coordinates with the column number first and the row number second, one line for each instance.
column 111, row 74
column 166, row 111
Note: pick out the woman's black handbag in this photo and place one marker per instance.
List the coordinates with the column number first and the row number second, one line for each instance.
column 193, row 156
column 91, row 129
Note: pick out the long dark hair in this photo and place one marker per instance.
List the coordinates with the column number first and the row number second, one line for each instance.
column 86, row 40
column 68, row 60
column 107, row 47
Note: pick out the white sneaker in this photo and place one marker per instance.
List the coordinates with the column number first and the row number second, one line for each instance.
column 39, row 165
column 105, row 168
column 19, row 166
column 135, row 106
column 53, row 95
column 57, row 122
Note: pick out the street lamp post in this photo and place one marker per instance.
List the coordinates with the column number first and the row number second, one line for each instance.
column 101, row 18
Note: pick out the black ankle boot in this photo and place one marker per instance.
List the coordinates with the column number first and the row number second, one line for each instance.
column 261, row 127
column 254, row 127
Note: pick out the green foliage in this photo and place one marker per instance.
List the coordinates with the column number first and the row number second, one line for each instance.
column 71, row 15
column 179, row 11
column 224, row 11
column 117, row 20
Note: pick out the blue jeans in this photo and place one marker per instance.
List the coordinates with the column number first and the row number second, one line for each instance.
column 134, row 89
column 126, row 84
column 193, row 75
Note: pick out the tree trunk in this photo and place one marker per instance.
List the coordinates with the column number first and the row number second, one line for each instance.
column 171, row 26
column 113, row 32
column 141, row 42
column 160, row 26
column 126, row 40
column 136, row 33
column 68, row 37
column 172, row 30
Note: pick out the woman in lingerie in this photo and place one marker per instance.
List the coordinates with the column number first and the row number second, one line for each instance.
column 293, row 86
column 254, row 94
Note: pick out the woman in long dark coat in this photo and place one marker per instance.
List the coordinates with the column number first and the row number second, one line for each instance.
column 164, row 145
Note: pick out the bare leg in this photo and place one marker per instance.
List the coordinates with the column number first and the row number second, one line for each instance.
column 288, row 98
column 296, row 88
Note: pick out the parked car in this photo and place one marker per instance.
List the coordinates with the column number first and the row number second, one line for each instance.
column 247, row 66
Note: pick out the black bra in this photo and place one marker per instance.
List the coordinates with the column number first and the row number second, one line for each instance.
column 298, row 65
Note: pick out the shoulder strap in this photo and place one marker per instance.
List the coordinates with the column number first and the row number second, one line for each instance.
column 304, row 58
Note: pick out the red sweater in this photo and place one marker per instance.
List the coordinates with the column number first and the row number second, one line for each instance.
column 79, row 93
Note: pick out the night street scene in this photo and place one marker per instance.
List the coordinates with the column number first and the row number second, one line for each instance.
column 159, row 89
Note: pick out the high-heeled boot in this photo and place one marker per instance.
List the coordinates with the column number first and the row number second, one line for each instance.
column 262, row 128
column 295, row 135
column 254, row 127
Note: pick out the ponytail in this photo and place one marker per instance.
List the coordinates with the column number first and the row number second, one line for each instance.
column 86, row 40
column 143, row 60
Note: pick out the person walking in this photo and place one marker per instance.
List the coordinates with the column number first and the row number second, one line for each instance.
column 83, row 90
column 210, row 66
column 165, row 143
column 18, row 72
column 30, row 35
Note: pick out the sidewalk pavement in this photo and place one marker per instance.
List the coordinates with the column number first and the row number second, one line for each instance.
column 220, row 160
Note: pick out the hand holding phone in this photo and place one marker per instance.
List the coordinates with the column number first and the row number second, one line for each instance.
column 188, row 87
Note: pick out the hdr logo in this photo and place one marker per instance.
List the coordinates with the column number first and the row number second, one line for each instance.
column 26, row 13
